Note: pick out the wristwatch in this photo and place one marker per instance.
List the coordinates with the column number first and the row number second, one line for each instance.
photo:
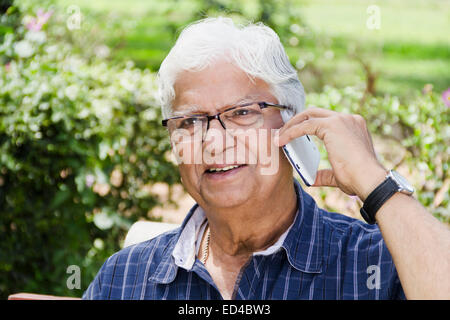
column 393, row 183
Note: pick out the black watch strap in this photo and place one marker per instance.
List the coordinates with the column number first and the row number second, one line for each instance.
column 377, row 198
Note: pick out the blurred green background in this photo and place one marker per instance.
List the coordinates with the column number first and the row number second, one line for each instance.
column 81, row 148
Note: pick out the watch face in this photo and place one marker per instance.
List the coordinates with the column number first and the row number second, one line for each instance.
column 404, row 185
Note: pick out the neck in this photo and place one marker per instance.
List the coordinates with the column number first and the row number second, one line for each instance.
column 253, row 226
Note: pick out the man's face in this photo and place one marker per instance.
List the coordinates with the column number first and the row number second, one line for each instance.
column 214, row 90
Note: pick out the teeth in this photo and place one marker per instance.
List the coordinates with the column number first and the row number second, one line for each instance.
column 223, row 169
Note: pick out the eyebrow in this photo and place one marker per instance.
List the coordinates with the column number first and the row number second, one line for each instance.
column 187, row 110
column 190, row 109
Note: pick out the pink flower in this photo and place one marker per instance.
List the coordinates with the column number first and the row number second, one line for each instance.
column 446, row 97
column 90, row 179
column 8, row 67
column 37, row 23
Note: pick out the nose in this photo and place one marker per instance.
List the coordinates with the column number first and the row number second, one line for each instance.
column 215, row 141
column 209, row 125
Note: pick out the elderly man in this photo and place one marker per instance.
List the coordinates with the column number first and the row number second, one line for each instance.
column 256, row 235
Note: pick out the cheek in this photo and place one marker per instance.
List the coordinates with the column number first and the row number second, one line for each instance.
column 270, row 156
column 189, row 176
column 246, row 147
column 258, row 149
column 186, row 151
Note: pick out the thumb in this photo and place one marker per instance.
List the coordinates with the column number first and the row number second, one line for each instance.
column 325, row 178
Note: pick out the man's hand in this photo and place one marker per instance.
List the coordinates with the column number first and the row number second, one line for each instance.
column 355, row 168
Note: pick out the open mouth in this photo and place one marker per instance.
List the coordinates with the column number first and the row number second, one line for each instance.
column 223, row 170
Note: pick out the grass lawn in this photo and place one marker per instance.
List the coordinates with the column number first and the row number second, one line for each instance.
column 412, row 43
column 409, row 50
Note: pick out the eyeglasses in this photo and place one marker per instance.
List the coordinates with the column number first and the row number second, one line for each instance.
column 244, row 116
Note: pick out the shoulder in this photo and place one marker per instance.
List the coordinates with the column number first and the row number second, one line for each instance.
column 360, row 247
column 129, row 267
column 354, row 239
column 336, row 224
column 344, row 224
column 153, row 249
column 341, row 233
column 353, row 234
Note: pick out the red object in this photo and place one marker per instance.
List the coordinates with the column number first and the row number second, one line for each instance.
column 33, row 296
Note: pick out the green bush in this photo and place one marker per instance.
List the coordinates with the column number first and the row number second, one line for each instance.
column 80, row 141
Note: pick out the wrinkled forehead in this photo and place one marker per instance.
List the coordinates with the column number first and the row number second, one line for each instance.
column 187, row 109
column 215, row 88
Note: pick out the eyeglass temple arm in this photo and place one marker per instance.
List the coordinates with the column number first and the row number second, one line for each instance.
column 266, row 104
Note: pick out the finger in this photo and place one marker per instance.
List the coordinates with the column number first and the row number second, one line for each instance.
column 314, row 126
column 312, row 112
column 362, row 123
column 325, row 178
column 318, row 112
column 370, row 140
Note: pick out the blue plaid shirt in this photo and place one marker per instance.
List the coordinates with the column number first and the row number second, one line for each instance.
column 325, row 255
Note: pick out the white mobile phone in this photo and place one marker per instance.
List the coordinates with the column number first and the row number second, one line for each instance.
column 303, row 155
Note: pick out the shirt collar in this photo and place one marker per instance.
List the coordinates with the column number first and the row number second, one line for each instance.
column 167, row 269
column 302, row 241
column 185, row 249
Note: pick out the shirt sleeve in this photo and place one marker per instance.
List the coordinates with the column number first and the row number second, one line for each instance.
column 380, row 280
column 389, row 273
column 94, row 291
column 397, row 292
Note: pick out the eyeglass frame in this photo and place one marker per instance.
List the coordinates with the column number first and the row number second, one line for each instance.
column 262, row 105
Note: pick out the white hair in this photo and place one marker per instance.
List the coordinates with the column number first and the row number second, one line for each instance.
column 254, row 48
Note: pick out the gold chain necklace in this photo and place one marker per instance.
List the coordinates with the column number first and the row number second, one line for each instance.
column 205, row 253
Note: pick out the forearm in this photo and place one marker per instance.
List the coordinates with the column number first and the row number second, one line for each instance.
column 419, row 245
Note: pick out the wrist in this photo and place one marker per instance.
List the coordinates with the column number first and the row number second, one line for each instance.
column 373, row 178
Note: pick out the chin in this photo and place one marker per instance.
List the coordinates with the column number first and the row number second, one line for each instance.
column 227, row 196
column 225, row 200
